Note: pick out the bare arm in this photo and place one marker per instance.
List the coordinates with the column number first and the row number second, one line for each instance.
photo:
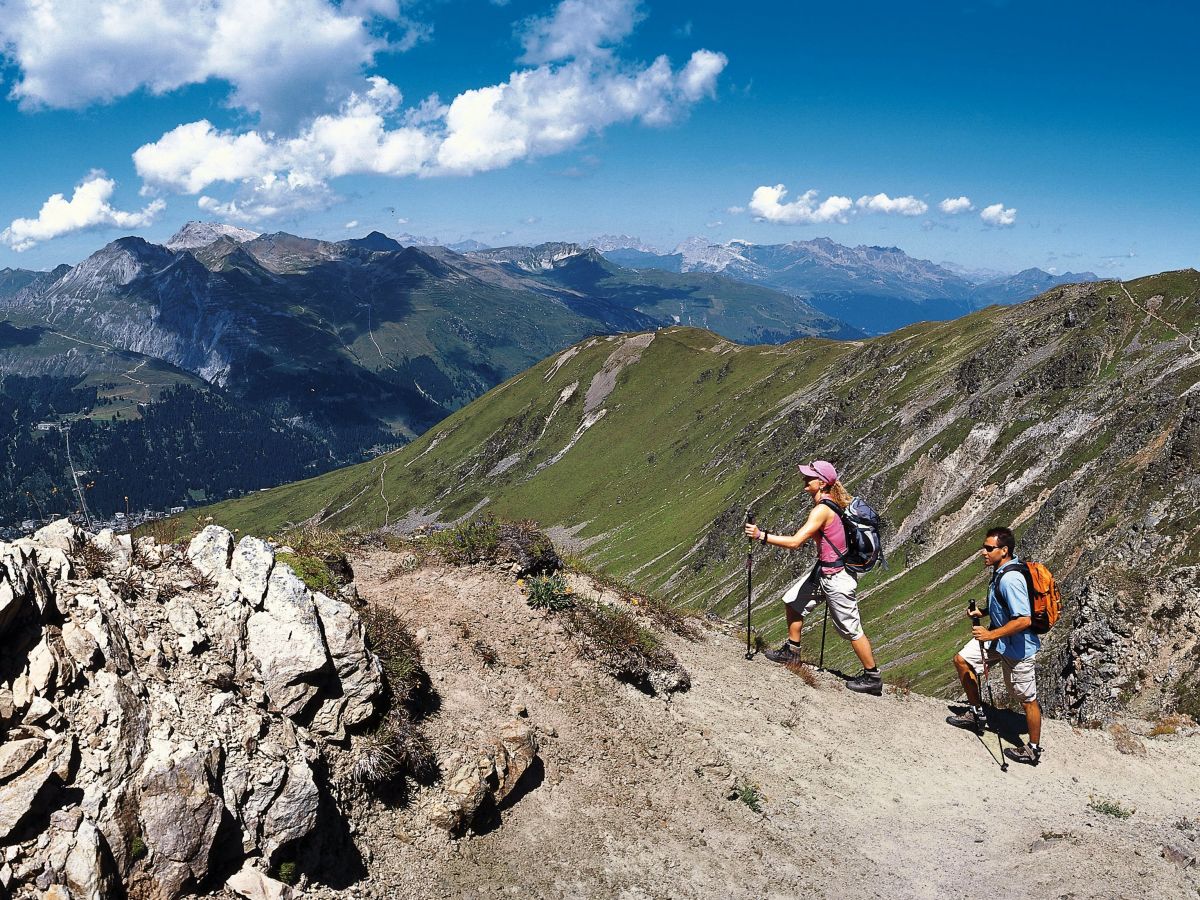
column 817, row 519
column 1012, row 626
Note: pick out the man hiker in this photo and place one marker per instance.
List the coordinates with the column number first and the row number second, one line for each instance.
column 829, row 579
column 1009, row 641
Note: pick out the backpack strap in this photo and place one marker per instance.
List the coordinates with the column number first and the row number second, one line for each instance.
column 841, row 514
column 1004, row 570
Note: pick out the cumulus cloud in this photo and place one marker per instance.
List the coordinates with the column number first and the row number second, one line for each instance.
column 578, row 28
column 767, row 203
column 952, row 206
column 536, row 112
column 71, row 54
column 903, row 206
column 998, row 216
column 88, row 207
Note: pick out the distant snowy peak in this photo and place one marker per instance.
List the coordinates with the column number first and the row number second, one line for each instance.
column 699, row 254
column 542, row 258
column 417, row 240
column 467, row 246
column 606, row 243
column 201, row 234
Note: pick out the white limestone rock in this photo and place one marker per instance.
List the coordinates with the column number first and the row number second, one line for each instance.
column 211, row 550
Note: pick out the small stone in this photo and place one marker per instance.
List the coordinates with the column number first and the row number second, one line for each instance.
column 66, row 819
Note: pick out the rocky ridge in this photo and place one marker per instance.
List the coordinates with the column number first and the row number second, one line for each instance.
column 169, row 717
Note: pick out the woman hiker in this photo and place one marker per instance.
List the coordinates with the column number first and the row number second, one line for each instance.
column 829, row 580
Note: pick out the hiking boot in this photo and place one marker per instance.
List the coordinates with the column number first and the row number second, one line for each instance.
column 1027, row 754
column 785, row 654
column 970, row 720
column 866, row 683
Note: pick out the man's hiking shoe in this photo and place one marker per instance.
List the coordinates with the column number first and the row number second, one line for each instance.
column 866, row 683
column 970, row 720
column 785, row 654
column 1031, row 756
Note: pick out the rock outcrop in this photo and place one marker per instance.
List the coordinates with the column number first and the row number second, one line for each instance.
column 170, row 720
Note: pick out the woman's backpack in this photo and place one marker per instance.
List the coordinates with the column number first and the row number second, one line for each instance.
column 864, row 544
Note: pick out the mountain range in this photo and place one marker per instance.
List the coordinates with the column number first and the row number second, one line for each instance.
column 362, row 341
column 1074, row 417
column 877, row 289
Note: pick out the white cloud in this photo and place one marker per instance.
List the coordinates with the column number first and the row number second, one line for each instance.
column 952, row 206
column 578, row 29
column 767, row 203
column 536, row 112
column 87, row 208
column 998, row 216
column 904, row 206
column 735, row 210
column 283, row 59
column 353, row 223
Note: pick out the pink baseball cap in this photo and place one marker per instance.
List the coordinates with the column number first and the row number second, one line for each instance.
column 820, row 469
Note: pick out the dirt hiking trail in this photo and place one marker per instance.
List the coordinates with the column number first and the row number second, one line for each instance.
column 860, row 796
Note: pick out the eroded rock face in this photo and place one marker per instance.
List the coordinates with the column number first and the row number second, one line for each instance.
column 489, row 773
column 148, row 733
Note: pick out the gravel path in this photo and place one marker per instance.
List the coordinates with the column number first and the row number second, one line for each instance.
column 861, row 796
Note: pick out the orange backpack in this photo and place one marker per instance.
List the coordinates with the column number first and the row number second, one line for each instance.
column 1044, row 599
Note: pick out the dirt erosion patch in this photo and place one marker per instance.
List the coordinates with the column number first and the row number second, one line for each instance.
column 753, row 782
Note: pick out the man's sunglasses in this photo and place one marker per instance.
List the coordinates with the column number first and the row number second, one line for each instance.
column 988, row 548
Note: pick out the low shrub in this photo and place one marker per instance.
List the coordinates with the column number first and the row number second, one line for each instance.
column 93, row 558
column 654, row 607
column 321, row 546
column 548, row 592
column 467, row 542
column 613, row 638
column 398, row 747
column 389, row 637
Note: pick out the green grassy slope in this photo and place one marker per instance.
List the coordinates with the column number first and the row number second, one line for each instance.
column 1069, row 416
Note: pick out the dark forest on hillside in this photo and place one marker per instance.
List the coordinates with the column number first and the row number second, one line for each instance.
column 188, row 442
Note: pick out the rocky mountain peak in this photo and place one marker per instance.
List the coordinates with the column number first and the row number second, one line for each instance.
column 606, row 243
column 200, row 234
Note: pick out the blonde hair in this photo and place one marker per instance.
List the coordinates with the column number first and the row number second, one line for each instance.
column 838, row 493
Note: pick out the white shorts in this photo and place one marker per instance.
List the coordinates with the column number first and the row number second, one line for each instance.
column 1018, row 673
column 837, row 590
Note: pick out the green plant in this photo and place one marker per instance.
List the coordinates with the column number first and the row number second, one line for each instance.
column 137, row 848
column 1108, row 807
column 467, row 542
column 389, row 637
column 312, row 570
column 287, row 872
column 748, row 792
column 549, row 592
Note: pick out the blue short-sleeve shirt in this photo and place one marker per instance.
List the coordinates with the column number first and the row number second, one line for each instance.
column 1013, row 605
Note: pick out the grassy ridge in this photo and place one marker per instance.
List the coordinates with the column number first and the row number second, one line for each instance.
column 1012, row 414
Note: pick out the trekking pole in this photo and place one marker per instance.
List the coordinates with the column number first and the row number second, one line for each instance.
column 824, row 625
column 976, row 614
column 749, row 582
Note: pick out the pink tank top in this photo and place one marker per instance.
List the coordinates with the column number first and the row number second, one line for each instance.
column 833, row 535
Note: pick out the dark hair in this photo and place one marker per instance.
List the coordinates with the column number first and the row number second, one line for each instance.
column 1004, row 538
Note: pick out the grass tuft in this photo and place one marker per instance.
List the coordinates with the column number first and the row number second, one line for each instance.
column 748, row 792
column 1109, row 807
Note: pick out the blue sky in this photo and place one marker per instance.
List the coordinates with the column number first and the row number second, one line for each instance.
column 1070, row 129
